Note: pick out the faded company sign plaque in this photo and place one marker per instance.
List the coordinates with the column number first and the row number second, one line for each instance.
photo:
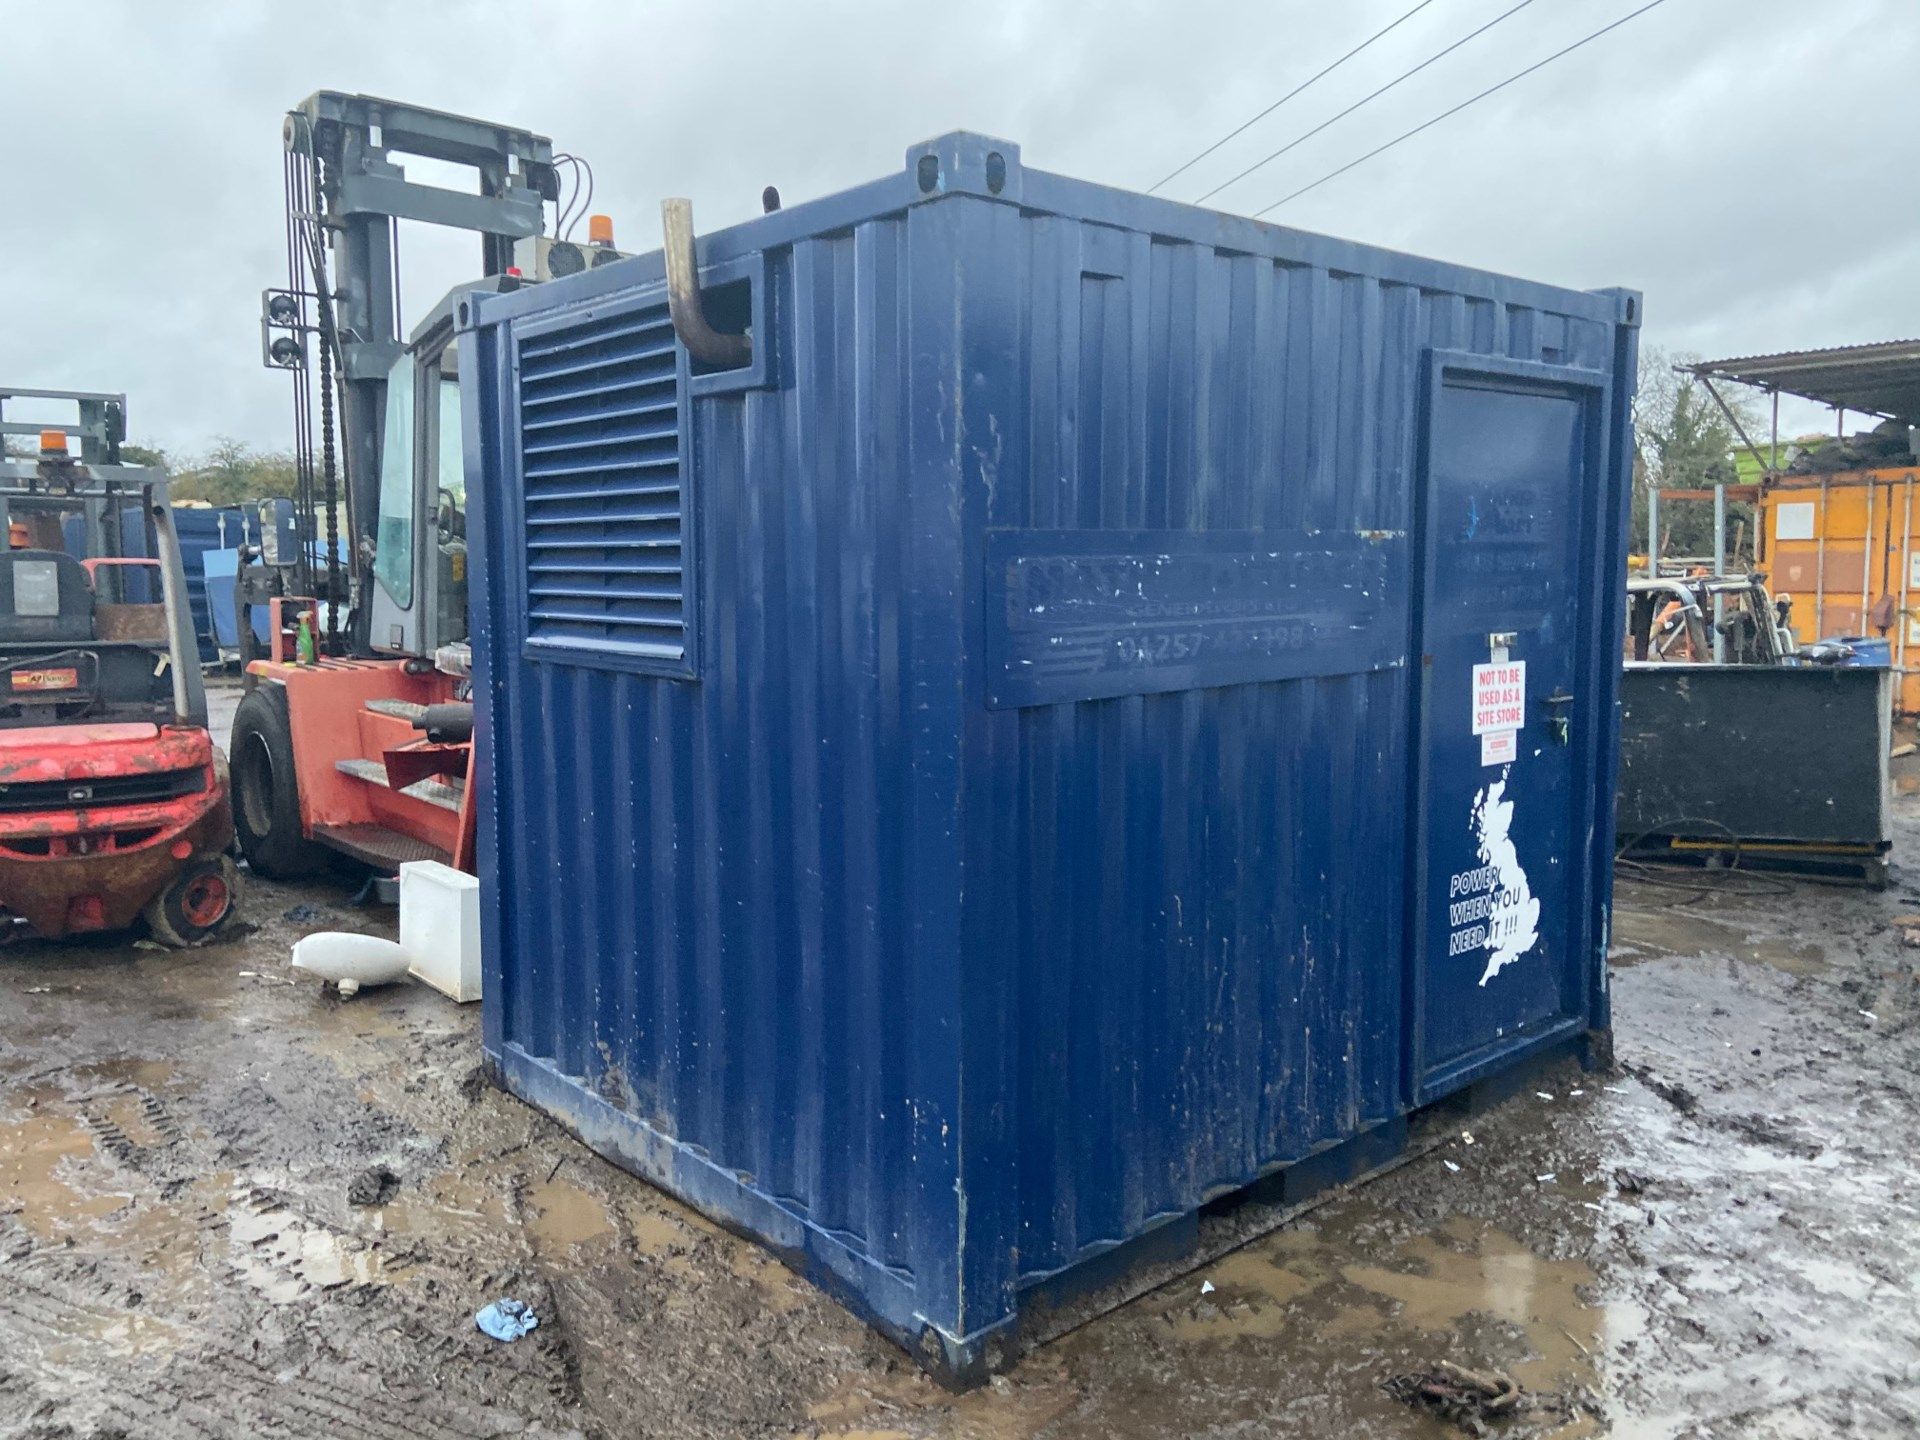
column 1091, row 614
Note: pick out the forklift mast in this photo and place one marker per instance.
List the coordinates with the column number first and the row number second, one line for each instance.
column 99, row 422
column 346, row 194
column 101, row 426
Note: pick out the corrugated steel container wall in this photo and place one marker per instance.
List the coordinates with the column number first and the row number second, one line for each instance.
column 1843, row 545
column 823, row 897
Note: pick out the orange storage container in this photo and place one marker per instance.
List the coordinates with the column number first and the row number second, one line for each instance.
column 1844, row 547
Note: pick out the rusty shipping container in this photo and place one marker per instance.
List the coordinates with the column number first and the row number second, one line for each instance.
column 1097, row 706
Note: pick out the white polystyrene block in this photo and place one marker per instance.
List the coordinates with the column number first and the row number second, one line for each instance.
column 440, row 927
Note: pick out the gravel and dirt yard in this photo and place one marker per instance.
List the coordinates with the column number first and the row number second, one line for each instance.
column 1720, row 1238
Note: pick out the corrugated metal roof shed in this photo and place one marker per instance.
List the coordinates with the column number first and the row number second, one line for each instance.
column 1882, row 379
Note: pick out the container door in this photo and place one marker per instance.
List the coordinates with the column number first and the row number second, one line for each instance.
column 1503, row 809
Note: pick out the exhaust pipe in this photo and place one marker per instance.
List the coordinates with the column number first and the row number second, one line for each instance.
column 703, row 342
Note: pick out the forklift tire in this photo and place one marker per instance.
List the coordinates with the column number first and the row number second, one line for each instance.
column 195, row 904
column 266, row 790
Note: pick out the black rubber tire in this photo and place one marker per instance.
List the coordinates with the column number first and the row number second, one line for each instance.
column 166, row 914
column 266, row 790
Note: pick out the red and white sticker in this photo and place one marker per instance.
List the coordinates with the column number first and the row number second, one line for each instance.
column 1499, row 696
column 1499, row 747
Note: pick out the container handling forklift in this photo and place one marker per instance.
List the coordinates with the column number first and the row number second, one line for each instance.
column 113, row 800
column 355, row 734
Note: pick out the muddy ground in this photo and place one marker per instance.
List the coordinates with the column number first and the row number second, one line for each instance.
column 1721, row 1238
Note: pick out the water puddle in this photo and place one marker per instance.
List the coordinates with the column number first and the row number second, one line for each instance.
column 285, row 1256
column 44, row 1157
column 1435, row 1287
column 1665, row 932
column 365, row 1035
column 1257, row 1289
column 447, row 1205
column 656, row 1233
column 130, row 1334
column 560, row 1216
column 127, row 1071
column 1305, row 1286
column 780, row 1290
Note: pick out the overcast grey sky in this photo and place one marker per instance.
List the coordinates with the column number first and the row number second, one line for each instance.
column 1749, row 164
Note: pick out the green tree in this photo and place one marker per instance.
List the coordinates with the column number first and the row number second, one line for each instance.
column 1682, row 441
column 232, row 472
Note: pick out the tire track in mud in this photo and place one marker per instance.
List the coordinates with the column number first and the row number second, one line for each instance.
column 350, row 1404
column 110, row 1138
column 69, row 1317
column 42, row 1318
column 265, row 1241
column 213, row 1385
column 198, row 1125
column 162, row 1159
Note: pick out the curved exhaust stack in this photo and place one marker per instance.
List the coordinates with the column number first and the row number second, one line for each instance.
column 703, row 342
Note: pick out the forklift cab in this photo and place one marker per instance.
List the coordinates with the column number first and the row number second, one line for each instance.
column 107, row 638
column 83, row 640
column 417, row 599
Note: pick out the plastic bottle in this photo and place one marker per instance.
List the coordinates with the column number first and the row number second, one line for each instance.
column 303, row 648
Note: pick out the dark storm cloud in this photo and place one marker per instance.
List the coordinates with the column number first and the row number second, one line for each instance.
column 1747, row 163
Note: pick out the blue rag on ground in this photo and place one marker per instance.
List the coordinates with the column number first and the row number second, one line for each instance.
column 507, row 1319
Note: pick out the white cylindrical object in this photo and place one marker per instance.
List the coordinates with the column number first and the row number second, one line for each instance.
column 351, row 961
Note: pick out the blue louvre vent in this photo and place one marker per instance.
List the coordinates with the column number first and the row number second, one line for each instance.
column 600, row 428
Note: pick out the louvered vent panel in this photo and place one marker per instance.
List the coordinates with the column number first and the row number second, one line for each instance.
column 600, row 453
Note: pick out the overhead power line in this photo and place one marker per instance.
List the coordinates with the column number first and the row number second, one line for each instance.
column 1321, row 75
column 1448, row 114
column 1364, row 100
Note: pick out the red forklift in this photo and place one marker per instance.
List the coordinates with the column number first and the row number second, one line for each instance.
column 354, row 736
column 113, row 800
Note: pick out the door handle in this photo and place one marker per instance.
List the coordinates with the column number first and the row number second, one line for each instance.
column 1555, row 705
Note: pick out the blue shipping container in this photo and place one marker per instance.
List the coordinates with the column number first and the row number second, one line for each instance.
column 1106, row 706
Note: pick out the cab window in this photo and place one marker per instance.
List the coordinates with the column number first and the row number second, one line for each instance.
column 393, row 556
column 452, row 471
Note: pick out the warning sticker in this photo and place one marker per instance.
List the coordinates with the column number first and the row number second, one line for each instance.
column 1499, row 697
column 1499, row 747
